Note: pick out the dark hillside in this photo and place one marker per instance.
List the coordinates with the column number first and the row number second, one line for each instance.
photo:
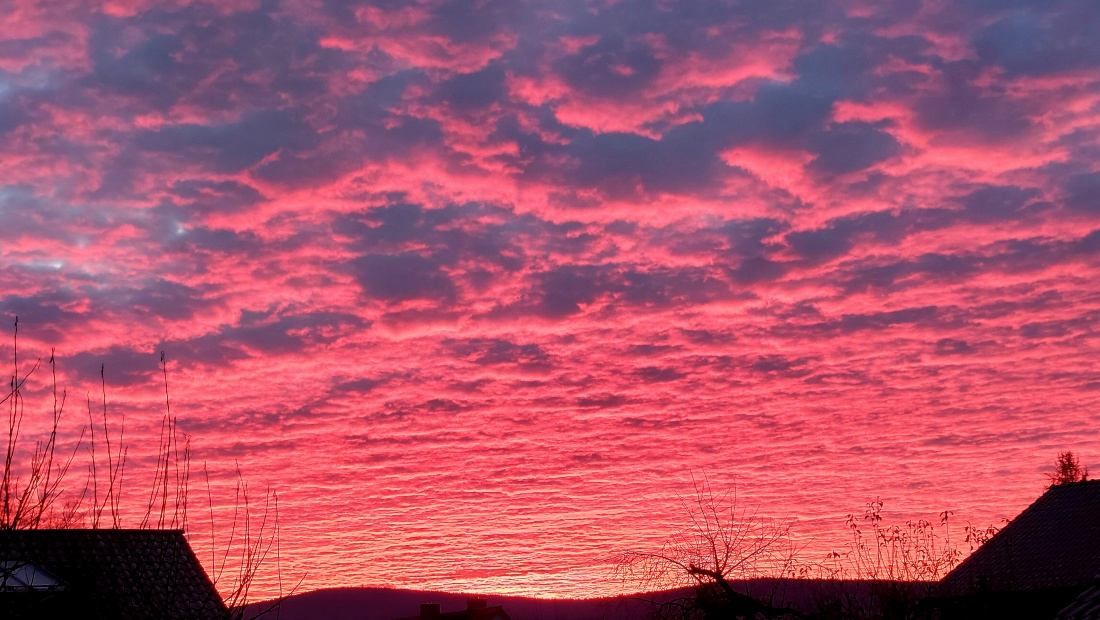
column 388, row 604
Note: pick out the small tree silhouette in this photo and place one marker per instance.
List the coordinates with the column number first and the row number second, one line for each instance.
column 725, row 547
column 1067, row 470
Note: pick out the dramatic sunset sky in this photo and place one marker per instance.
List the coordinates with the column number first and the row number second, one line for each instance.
column 477, row 286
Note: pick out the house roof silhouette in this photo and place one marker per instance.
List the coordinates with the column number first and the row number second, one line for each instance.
column 1053, row 543
column 1045, row 563
column 92, row 573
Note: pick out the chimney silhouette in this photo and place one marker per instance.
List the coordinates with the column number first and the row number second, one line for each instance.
column 429, row 611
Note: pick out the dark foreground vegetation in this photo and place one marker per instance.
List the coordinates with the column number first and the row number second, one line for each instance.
column 1045, row 563
column 77, row 539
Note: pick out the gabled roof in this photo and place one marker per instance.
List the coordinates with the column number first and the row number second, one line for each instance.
column 123, row 574
column 1054, row 543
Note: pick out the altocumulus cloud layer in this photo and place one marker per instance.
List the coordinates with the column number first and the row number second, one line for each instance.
column 477, row 284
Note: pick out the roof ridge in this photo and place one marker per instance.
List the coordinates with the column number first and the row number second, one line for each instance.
column 1073, row 484
column 1052, row 540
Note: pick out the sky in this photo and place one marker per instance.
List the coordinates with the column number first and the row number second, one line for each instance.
column 479, row 286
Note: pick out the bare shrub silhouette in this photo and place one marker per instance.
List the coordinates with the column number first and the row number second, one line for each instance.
column 737, row 564
column 724, row 547
column 29, row 495
column 34, row 493
column 914, row 551
column 252, row 542
column 898, row 563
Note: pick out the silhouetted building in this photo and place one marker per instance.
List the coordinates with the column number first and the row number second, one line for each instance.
column 1043, row 564
column 117, row 574
column 476, row 609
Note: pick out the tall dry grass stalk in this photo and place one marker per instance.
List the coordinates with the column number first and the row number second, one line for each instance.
column 34, row 490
